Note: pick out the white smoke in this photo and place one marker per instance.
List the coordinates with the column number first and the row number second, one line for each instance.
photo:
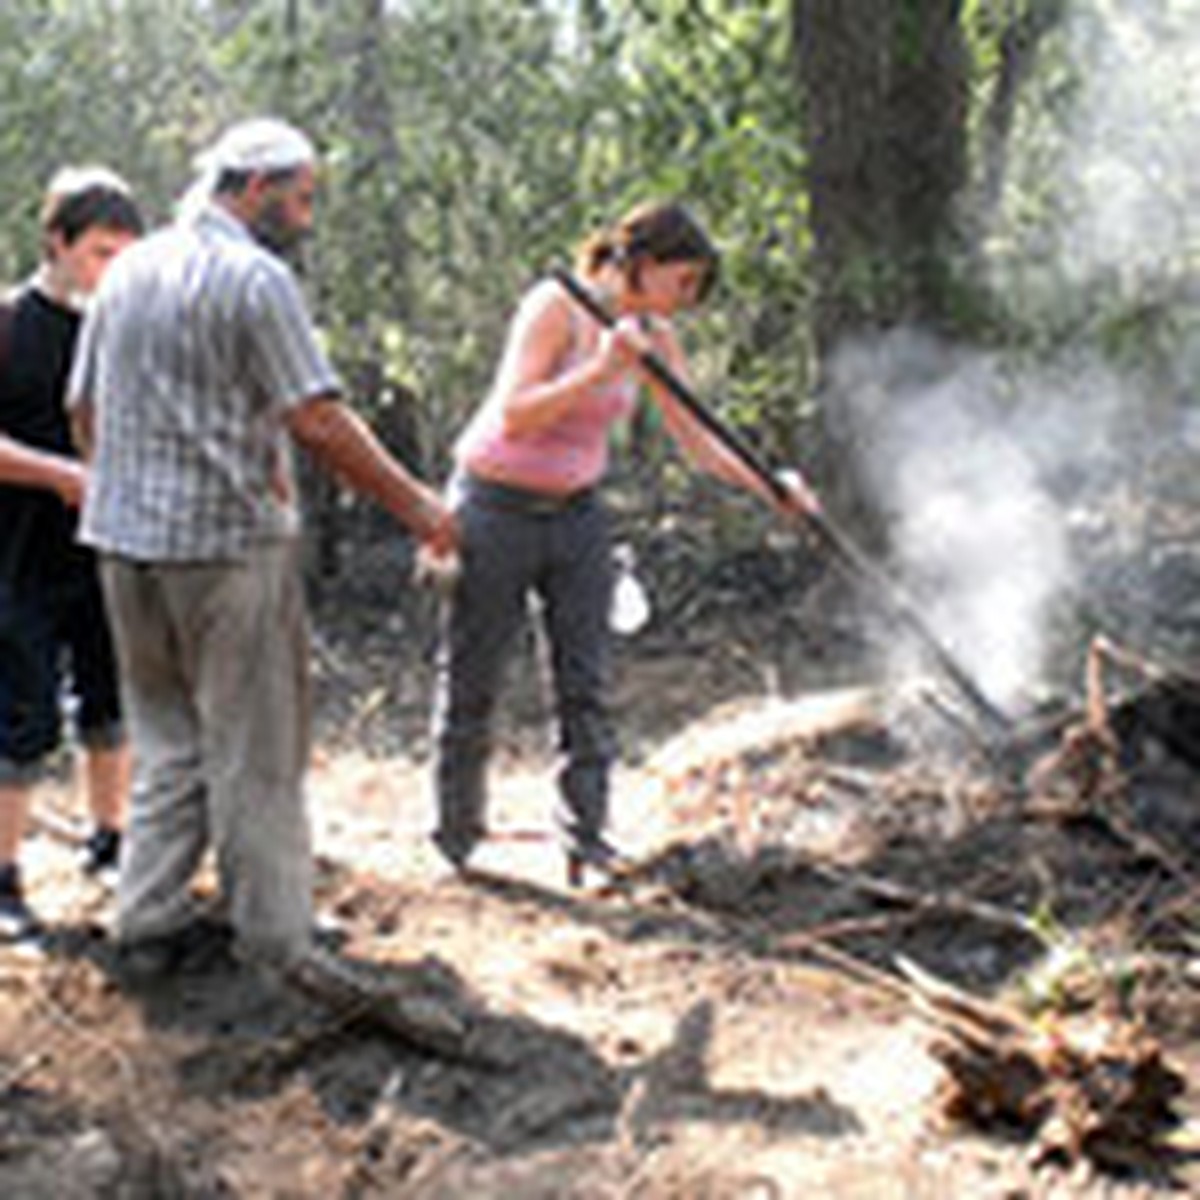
column 1103, row 188
column 963, row 452
column 1133, row 142
column 983, row 462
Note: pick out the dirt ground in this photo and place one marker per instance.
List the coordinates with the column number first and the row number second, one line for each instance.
column 728, row 1024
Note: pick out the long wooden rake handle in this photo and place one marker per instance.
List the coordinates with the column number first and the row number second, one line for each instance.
column 839, row 546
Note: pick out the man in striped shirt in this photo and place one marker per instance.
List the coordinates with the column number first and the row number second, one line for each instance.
column 197, row 367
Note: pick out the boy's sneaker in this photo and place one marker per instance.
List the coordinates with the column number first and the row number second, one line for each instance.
column 18, row 922
column 101, row 851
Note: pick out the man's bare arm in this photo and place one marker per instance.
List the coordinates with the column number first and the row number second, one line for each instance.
column 343, row 444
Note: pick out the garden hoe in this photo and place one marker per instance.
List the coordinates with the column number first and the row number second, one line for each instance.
column 994, row 722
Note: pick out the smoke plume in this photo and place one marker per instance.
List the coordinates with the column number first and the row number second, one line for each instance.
column 983, row 463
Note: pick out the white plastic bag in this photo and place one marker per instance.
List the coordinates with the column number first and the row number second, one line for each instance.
column 629, row 611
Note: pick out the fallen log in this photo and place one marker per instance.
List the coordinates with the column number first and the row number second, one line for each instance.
column 408, row 1005
column 425, row 1005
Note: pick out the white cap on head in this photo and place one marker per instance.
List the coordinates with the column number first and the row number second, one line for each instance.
column 264, row 144
column 259, row 144
column 70, row 181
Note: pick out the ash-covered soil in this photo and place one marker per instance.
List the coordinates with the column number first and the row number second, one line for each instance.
column 731, row 1021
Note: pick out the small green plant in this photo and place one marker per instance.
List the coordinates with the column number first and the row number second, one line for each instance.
column 1073, row 973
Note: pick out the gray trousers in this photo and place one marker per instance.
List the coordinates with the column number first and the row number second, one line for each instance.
column 515, row 545
column 214, row 663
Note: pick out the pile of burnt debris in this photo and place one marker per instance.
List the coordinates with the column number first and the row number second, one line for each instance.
column 1035, row 899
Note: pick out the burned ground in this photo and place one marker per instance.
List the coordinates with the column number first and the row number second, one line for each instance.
column 733, row 1020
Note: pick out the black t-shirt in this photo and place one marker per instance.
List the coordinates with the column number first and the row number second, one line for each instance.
column 37, row 531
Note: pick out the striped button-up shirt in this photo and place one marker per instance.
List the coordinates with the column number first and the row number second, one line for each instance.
column 195, row 345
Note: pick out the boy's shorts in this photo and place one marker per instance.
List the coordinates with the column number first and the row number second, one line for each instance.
column 59, row 636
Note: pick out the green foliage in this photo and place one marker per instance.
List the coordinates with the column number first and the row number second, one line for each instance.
column 472, row 143
column 1091, row 238
column 1074, row 973
column 711, row 116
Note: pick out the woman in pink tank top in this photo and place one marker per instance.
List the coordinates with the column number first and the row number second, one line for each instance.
column 527, row 468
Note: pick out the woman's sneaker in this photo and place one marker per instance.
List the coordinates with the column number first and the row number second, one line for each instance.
column 598, row 854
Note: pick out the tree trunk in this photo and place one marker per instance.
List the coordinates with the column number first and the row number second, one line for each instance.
column 1018, row 51
column 884, row 84
column 378, row 269
column 376, row 165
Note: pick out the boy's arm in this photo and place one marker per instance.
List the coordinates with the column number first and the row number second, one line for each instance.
column 26, row 467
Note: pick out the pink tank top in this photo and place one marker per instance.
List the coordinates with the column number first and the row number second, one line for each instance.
column 565, row 457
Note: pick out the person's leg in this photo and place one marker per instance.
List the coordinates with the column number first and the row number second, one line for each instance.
column 168, row 824
column 17, row 919
column 577, row 592
column 249, row 631
column 14, row 815
column 481, row 621
column 29, row 730
column 107, row 761
column 108, row 772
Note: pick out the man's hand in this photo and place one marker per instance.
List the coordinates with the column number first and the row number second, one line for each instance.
column 343, row 444
column 434, row 524
column 438, row 571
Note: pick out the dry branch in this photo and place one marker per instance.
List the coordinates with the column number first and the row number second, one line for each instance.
column 945, row 901
column 1082, row 777
column 1088, row 1088
column 725, row 741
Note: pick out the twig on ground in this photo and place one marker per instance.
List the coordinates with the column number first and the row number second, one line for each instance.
column 954, row 902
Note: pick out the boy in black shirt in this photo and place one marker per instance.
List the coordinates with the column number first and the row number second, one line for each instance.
column 51, row 610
